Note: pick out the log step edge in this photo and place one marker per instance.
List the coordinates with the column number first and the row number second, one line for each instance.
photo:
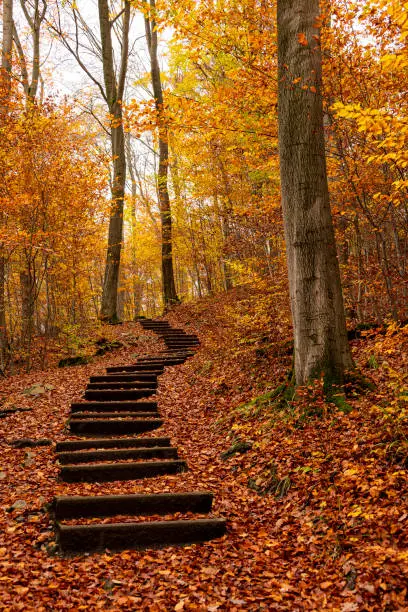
column 109, row 472
column 122, row 536
column 126, row 406
column 71, row 445
column 78, row 506
column 88, row 456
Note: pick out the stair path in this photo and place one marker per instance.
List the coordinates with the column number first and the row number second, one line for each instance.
column 117, row 404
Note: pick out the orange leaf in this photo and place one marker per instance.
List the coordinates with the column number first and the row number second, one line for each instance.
column 302, row 39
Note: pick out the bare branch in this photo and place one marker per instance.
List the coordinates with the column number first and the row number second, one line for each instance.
column 90, row 111
column 21, row 59
column 125, row 50
column 117, row 16
column 27, row 14
column 75, row 51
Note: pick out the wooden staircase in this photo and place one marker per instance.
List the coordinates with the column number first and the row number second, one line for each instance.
column 115, row 410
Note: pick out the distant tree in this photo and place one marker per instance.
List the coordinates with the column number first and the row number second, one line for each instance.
column 34, row 13
column 5, row 83
column 169, row 288
column 321, row 345
column 117, row 20
column 30, row 77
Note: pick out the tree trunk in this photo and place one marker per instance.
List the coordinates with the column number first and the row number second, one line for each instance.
column 115, row 234
column 27, row 288
column 7, row 40
column 137, row 288
column 321, row 346
column 114, row 89
column 169, row 288
column 5, row 82
column 34, row 20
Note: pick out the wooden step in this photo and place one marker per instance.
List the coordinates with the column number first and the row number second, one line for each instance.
column 114, row 407
column 144, row 384
column 77, row 506
column 170, row 333
column 180, row 339
column 175, row 353
column 137, row 377
column 180, row 343
column 72, row 445
column 176, row 361
column 156, row 359
column 112, row 427
column 84, row 456
column 158, row 328
column 178, row 335
column 152, row 324
column 137, row 367
column 170, row 359
column 183, row 341
column 108, row 472
column 127, row 536
column 107, row 395
column 174, row 330
column 114, row 415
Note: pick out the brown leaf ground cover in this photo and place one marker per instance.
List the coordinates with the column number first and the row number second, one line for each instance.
column 315, row 496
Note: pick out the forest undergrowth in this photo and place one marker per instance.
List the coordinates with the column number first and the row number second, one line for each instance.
column 315, row 494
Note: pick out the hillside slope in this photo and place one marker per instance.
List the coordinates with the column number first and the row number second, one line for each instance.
column 315, row 496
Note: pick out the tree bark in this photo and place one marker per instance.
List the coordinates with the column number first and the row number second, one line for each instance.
column 137, row 288
column 321, row 346
column 27, row 287
column 34, row 20
column 114, row 88
column 7, row 41
column 5, row 81
column 169, row 288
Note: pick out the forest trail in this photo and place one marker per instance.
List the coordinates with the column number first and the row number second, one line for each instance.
column 111, row 408
column 314, row 496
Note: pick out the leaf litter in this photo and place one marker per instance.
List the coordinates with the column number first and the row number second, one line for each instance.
column 332, row 538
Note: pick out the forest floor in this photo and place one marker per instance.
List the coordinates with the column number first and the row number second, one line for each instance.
column 316, row 505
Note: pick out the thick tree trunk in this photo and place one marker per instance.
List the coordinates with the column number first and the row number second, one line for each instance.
column 169, row 288
column 5, row 83
column 114, row 92
column 321, row 345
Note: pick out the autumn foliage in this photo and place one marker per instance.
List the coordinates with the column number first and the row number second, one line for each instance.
column 52, row 230
column 314, row 489
column 314, row 496
column 221, row 104
column 220, row 107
